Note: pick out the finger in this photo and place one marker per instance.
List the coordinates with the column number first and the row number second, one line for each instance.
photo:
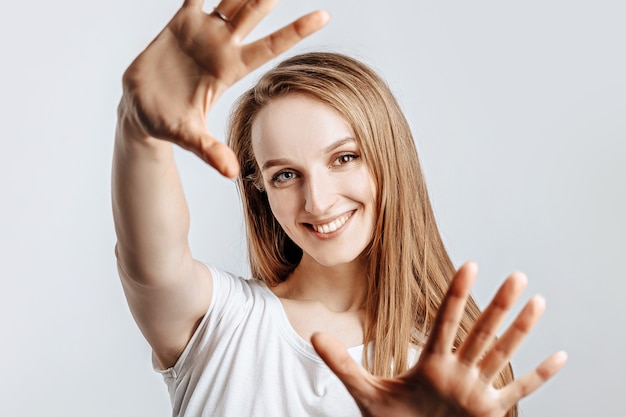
column 195, row 137
column 527, row 384
column 230, row 8
column 250, row 14
column 505, row 347
column 351, row 374
column 261, row 51
column 193, row 3
column 484, row 331
column 443, row 333
column 220, row 157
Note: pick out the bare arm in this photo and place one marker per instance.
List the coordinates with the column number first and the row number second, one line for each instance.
column 168, row 91
column 166, row 289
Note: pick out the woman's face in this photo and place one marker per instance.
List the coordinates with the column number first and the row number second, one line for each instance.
column 316, row 179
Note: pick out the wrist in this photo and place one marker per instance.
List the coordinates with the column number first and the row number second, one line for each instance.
column 132, row 139
column 128, row 126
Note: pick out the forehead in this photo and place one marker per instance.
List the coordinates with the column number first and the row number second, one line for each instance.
column 296, row 124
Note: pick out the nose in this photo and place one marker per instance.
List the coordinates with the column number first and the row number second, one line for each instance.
column 319, row 195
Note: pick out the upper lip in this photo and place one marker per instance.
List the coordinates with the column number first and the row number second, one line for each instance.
column 327, row 220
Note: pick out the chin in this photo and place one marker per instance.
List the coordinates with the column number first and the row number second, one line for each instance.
column 337, row 259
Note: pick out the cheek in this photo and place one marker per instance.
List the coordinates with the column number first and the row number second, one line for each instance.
column 365, row 191
column 282, row 206
column 363, row 187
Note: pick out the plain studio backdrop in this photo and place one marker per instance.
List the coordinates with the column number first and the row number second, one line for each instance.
column 518, row 110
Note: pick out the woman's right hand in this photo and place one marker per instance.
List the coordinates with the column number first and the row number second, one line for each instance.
column 171, row 86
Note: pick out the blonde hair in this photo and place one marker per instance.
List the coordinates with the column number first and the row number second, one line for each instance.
column 408, row 267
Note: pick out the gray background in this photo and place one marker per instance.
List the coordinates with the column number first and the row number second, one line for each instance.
column 518, row 111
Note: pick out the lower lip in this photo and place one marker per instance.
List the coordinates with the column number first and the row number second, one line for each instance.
column 331, row 235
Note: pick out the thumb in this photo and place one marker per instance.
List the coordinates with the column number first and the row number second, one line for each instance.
column 356, row 379
column 196, row 138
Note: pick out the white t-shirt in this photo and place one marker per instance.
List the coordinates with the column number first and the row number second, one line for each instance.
column 245, row 359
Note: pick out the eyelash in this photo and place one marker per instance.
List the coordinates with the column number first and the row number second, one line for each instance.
column 338, row 161
column 350, row 155
column 276, row 177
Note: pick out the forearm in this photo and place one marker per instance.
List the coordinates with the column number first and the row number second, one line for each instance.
column 149, row 207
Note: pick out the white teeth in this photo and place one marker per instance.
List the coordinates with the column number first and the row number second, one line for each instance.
column 332, row 226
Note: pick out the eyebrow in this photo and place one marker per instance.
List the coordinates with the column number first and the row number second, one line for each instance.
column 284, row 161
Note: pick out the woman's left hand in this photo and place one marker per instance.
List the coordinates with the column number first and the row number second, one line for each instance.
column 445, row 382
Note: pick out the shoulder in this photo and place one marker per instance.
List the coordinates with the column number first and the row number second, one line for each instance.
column 241, row 308
column 236, row 300
column 227, row 285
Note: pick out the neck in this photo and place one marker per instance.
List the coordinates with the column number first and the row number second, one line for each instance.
column 340, row 288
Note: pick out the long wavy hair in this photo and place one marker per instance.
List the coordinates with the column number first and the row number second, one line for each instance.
column 409, row 269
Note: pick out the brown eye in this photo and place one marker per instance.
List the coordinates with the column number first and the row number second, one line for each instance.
column 345, row 158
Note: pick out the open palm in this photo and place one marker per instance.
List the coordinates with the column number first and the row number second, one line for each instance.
column 445, row 382
column 171, row 86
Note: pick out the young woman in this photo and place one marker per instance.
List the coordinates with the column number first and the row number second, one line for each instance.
column 343, row 246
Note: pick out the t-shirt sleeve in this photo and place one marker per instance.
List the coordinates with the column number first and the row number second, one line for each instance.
column 227, row 309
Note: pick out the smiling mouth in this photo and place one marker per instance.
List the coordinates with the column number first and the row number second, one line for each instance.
column 332, row 226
